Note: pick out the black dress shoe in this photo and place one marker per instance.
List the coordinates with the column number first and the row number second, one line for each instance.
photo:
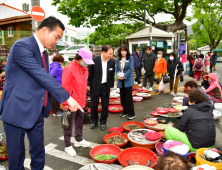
column 103, row 127
column 93, row 126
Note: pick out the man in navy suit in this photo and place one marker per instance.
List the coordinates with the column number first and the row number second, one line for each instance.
column 27, row 92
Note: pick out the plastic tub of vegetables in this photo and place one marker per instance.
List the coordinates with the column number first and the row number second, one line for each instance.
column 105, row 153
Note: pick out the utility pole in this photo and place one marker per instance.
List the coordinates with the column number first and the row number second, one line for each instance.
column 35, row 23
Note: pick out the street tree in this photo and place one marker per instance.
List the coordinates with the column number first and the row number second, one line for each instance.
column 208, row 27
column 90, row 13
column 193, row 43
column 113, row 33
column 77, row 41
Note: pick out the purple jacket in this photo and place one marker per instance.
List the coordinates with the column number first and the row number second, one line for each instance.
column 56, row 71
column 137, row 61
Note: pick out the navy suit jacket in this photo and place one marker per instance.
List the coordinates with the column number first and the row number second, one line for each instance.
column 26, row 82
column 128, row 72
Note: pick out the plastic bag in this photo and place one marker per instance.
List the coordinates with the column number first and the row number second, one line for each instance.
column 162, row 86
column 65, row 119
column 191, row 74
column 181, row 78
column 166, row 79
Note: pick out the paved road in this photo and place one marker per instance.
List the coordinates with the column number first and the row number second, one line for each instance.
column 57, row 159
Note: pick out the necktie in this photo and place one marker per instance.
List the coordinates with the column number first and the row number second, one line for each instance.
column 44, row 63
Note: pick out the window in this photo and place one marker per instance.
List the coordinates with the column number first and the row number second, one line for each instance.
column 10, row 31
column 66, row 38
column 72, row 39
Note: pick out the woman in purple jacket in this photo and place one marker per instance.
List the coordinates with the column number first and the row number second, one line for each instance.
column 56, row 72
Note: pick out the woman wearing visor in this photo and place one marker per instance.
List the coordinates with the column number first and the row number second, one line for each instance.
column 74, row 80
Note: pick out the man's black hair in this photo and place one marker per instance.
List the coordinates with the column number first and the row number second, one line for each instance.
column 51, row 23
column 105, row 48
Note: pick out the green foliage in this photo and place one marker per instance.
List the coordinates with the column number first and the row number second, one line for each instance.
column 208, row 26
column 83, row 41
column 194, row 42
column 113, row 33
column 90, row 13
column 77, row 41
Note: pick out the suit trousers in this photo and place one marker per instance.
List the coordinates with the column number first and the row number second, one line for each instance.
column 55, row 105
column 105, row 103
column 77, row 118
column 150, row 77
column 175, row 87
column 127, row 100
column 16, row 145
column 138, row 75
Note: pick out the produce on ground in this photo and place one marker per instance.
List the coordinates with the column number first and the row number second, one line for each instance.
column 3, row 150
column 115, row 108
column 132, row 126
column 173, row 114
column 116, row 131
column 143, row 95
column 149, row 116
column 162, row 126
column 150, row 121
column 105, row 157
column 116, row 140
column 161, row 111
column 116, row 101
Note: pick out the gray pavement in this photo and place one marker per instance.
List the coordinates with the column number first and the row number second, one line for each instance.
column 57, row 159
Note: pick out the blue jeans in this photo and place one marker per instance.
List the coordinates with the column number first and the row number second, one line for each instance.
column 138, row 75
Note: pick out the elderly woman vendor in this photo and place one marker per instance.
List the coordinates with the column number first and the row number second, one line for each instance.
column 198, row 123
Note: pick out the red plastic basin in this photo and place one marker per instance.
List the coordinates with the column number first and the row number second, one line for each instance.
column 161, row 111
column 115, row 111
column 159, row 148
column 115, row 135
column 116, row 130
column 136, row 154
column 153, row 136
column 130, row 122
column 105, row 149
column 154, row 113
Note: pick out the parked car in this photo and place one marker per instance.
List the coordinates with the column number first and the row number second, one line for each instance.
column 70, row 52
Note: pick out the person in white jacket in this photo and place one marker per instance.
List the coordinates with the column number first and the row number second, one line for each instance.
column 207, row 62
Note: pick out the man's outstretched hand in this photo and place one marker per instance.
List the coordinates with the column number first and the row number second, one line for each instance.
column 74, row 106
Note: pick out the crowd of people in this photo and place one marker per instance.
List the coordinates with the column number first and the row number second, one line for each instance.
column 33, row 86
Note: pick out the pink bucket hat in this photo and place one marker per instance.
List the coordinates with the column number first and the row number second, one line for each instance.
column 86, row 55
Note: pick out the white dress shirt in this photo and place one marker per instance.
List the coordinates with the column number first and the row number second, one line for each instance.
column 104, row 70
column 41, row 47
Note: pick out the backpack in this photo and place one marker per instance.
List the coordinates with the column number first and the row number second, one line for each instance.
column 199, row 64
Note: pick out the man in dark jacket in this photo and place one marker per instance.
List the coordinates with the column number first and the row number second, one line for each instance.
column 149, row 59
column 100, row 83
column 198, row 123
column 137, row 55
column 174, row 66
